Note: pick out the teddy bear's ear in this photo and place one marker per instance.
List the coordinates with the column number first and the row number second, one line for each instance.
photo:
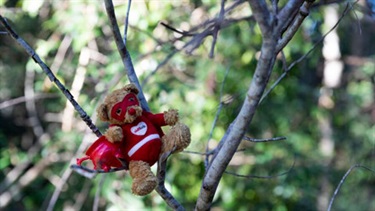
column 103, row 113
column 131, row 88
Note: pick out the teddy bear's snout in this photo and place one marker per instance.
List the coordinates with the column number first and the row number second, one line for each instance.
column 132, row 111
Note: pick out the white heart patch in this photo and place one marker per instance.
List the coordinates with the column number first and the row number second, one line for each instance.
column 139, row 129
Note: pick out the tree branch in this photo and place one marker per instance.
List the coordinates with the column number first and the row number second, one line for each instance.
column 288, row 12
column 217, row 28
column 262, row 15
column 263, row 140
column 51, row 76
column 127, row 22
column 343, row 180
column 23, row 99
column 302, row 14
column 216, row 118
column 348, row 8
column 163, row 192
column 233, row 137
column 262, row 177
column 124, row 53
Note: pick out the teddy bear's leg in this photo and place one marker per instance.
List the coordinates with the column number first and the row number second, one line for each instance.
column 177, row 139
column 144, row 181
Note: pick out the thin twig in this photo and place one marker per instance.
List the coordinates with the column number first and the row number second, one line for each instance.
column 86, row 172
column 343, row 180
column 206, row 163
column 263, row 177
column 217, row 28
column 127, row 22
column 86, row 118
column 197, row 38
column 198, row 153
column 161, row 64
column 183, row 33
column 23, row 99
column 264, row 140
column 97, row 193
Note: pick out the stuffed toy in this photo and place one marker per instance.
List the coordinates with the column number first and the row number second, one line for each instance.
column 135, row 138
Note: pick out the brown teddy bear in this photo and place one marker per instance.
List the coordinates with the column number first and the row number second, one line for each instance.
column 135, row 136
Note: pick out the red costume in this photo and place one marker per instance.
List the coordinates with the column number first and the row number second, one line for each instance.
column 142, row 138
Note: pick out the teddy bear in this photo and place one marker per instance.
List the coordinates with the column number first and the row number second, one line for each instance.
column 135, row 138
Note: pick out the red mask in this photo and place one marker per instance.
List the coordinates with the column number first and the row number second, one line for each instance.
column 119, row 110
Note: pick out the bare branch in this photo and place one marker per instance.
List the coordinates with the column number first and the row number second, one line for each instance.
column 124, row 53
column 183, row 33
column 275, row 8
column 161, row 64
column 51, row 76
column 288, row 12
column 217, row 28
column 163, row 192
column 264, row 140
column 199, row 153
column 23, row 99
column 194, row 42
column 343, row 180
column 97, row 193
column 91, row 173
column 216, row 117
column 235, row 132
column 347, row 9
column 262, row 15
column 127, row 22
column 263, row 177
column 288, row 35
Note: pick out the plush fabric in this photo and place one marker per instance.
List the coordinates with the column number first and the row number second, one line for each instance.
column 136, row 137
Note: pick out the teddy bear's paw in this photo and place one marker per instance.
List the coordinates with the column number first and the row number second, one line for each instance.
column 171, row 117
column 177, row 139
column 142, row 187
column 114, row 134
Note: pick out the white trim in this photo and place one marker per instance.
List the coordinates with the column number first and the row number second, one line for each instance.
column 136, row 147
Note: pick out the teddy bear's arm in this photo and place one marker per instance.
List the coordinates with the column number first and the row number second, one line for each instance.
column 114, row 134
column 169, row 117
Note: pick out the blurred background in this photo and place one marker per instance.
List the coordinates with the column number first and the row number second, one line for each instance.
column 324, row 106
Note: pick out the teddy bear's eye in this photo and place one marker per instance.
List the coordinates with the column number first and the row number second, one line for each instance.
column 118, row 111
column 131, row 99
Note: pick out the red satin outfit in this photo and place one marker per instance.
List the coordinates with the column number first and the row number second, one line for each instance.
column 142, row 138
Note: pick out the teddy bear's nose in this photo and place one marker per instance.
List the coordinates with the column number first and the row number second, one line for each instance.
column 131, row 111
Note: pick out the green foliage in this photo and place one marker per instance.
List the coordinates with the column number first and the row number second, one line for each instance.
column 190, row 83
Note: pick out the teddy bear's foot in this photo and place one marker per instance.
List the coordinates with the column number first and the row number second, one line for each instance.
column 177, row 139
column 144, row 181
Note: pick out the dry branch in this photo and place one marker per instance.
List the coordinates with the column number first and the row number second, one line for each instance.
column 343, row 180
column 347, row 9
column 263, row 140
column 50, row 75
column 163, row 192
column 124, row 53
column 229, row 143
